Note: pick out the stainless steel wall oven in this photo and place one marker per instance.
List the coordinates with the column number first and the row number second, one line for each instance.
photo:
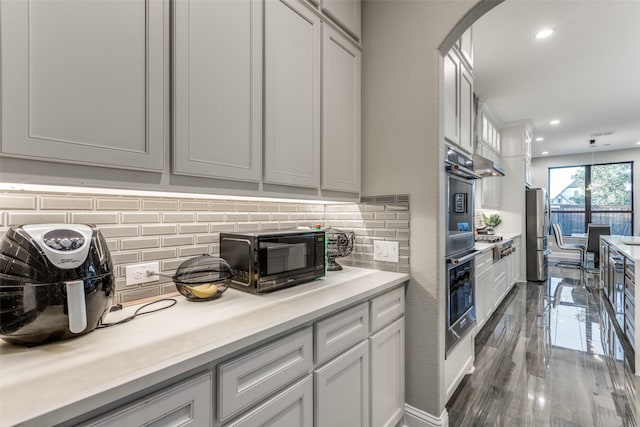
column 459, row 246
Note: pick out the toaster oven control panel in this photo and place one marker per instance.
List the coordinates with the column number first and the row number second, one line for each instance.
column 320, row 252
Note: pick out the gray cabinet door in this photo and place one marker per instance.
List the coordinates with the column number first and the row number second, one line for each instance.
column 217, row 83
column 387, row 375
column 292, row 94
column 85, row 81
column 342, row 390
column 341, row 142
column 347, row 13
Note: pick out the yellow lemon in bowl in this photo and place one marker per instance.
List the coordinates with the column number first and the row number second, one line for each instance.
column 206, row 290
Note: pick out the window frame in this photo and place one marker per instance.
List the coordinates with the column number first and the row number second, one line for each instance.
column 587, row 211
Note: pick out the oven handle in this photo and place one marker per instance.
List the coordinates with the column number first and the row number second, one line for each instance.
column 460, row 170
column 458, row 261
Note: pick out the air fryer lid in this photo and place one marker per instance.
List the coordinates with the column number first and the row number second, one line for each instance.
column 202, row 269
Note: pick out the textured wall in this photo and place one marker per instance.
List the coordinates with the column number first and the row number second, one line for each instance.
column 403, row 152
column 171, row 230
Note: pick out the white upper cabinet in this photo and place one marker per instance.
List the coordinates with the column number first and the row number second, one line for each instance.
column 292, row 94
column 84, row 81
column 491, row 185
column 452, row 97
column 217, row 83
column 341, row 139
column 458, row 102
column 466, row 47
column 346, row 13
column 489, row 133
column 466, row 109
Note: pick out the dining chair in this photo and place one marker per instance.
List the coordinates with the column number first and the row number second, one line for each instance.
column 594, row 231
column 574, row 247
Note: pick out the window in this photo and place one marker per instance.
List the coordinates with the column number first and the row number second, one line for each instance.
column 597, row 194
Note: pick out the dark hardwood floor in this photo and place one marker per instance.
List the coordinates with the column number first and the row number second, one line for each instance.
column 549, row 356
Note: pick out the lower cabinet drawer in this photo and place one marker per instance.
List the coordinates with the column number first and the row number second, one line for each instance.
column 253, row 376
column 386, row 308
column 186, row 404
column 483, row 261
column 630, row 332
column 292, row 407
column 341, row 331
column 629, row 287
column 629, row 311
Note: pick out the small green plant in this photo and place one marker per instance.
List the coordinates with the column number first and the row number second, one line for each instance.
column 492, row 220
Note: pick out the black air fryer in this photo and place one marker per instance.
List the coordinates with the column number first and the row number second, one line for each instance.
column 56, row 282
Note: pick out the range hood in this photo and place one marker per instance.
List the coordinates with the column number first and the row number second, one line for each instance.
column 485, row 167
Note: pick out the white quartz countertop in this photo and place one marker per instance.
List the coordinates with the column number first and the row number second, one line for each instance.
column 629, row 246
column 51, row 383
column 486, row 246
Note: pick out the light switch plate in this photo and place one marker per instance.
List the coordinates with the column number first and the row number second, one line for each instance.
column 385, row 251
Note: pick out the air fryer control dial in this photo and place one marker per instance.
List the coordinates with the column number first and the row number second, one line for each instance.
column 63, row 239
column 65, row 245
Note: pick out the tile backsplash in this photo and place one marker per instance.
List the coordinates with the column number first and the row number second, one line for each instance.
column 170, row 230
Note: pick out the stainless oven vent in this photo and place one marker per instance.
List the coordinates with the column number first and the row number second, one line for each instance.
column 485, row 167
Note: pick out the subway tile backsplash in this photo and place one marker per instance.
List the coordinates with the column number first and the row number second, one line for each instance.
column 171, row 230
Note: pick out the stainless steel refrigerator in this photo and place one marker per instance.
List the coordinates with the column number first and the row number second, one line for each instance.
column 538, row 217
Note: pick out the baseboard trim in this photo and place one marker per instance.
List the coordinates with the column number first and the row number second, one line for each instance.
column 414, row 417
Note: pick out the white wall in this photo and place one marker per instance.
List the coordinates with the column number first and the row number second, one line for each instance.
column 403, row 153
column 541, row 165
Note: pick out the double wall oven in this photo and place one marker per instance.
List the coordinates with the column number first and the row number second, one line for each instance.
column 459, row 246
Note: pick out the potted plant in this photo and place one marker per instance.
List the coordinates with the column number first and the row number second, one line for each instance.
column 491, row 222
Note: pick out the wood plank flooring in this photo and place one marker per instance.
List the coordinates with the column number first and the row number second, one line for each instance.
column 549, row 356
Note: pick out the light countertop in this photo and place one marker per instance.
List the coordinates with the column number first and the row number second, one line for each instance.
column 51, row 383
column 629, row 246
column 487, row 246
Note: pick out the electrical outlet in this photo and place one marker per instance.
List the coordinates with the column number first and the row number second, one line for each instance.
column 137, row 273
column 385, row 251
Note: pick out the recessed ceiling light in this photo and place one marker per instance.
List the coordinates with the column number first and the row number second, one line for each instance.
column 554, row 122
column 544, row 33
column 545, row 153
column 538, row 139
column 638, row 142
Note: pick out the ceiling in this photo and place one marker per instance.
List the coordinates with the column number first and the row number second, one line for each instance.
column 587, row 74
